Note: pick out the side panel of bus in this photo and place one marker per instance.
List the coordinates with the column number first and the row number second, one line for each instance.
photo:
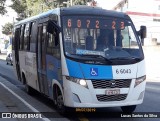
column 24, row 55
column 38, row 55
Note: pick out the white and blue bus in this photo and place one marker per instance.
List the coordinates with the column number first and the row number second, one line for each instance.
column 81, row 57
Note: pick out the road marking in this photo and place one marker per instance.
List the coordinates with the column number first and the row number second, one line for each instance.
column 21, row 99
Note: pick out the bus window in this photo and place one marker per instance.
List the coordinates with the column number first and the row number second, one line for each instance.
column 29, row 36
column 33, row 37
column 22, row 37
column 17, row 38
column 26, row 37
column 43, row 46
column 13, row 40
column 39, row 45
column 52, row 40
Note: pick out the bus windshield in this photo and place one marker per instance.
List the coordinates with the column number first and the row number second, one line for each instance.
column 112, row 38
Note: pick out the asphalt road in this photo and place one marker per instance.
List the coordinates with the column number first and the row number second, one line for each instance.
column 42, row 104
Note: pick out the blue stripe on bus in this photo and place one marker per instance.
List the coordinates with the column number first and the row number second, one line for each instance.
column 52, row 65
column 89, row 71
column 74, row 69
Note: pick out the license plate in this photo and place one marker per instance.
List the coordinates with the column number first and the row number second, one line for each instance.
column 112, row 91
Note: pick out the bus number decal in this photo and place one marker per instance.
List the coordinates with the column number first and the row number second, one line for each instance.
column 123, row 71
column 69, row 23
column 97, row 24
column 78, row 23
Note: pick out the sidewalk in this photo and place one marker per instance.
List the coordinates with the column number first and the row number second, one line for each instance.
column 17, row 103
column 7, row 102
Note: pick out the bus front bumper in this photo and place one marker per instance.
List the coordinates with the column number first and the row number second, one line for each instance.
column 79, row 96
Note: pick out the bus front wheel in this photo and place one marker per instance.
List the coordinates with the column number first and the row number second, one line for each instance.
column 128, row 109
column 59, row 101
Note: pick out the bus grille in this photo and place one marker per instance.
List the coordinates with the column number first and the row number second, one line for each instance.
column 105, row 98
column 101, row 84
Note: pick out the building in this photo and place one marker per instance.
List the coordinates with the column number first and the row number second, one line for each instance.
column 143, row 12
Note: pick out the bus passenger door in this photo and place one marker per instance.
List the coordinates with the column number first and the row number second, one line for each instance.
column 41, row 59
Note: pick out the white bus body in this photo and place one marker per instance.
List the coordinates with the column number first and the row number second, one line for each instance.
column 52, row 55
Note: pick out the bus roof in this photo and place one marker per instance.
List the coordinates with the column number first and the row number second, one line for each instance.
column 77, row 10
column 54, row 11
column 90, row 10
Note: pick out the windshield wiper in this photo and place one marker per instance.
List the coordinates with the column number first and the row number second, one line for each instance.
column 94, row 56
column 98, row 56
column 126, row 58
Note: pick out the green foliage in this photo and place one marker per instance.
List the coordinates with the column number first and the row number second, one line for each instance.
column 27, row 8
column 79, row 2
column 37, row 6
column 20, row 7
column 2, row 7
column 54, row 3
column 7, row 28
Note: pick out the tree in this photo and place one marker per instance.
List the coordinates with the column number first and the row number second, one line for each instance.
column 54, row 3
column 57, row 3
column 20, row 7
column 7, row 28
column 2, row 7
column 81, row 2
column 37, row 6
column 26, row 8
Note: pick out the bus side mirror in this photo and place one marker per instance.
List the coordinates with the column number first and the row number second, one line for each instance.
column 142, row 32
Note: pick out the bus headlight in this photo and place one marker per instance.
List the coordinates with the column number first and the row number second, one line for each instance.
column 81, row 82
column 139, row 80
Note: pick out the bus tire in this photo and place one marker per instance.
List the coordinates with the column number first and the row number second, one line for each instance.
column 128, row 109
column 59, row 101
column 28, row 89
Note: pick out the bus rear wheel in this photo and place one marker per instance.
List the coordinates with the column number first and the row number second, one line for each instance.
column 128, row 109
column 28, row 89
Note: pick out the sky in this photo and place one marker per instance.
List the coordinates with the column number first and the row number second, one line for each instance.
column 11, row 14
column 8, row 17
column 107, row 4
